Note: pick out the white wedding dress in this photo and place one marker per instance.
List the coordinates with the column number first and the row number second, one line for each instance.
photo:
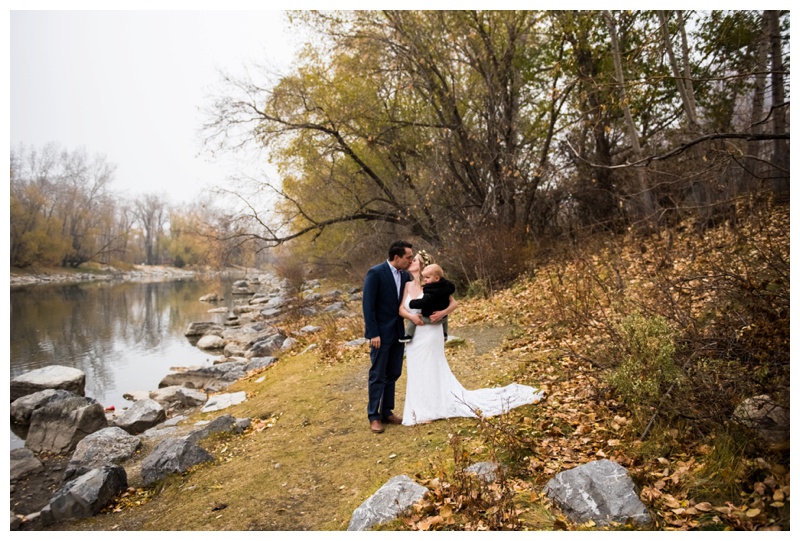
column 433, row 392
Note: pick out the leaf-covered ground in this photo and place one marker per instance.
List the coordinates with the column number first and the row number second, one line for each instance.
column 309, row 459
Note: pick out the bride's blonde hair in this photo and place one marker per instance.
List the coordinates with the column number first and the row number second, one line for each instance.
column 424, row 261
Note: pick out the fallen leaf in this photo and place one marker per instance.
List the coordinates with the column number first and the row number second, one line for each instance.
column 704, row 506
column 752, row 512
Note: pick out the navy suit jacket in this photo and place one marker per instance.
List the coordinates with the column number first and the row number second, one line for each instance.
column 381, row 303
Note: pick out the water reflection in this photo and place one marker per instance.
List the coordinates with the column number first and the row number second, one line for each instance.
column 124, row 336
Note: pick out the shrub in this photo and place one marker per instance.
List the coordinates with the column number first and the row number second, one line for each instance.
column 648, row 366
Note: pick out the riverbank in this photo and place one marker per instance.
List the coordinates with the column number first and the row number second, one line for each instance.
column 96, row 273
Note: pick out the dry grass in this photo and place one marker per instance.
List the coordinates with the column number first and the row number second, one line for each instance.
column 318, row 461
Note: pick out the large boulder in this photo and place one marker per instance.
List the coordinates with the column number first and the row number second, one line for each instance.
column 24, row 463
column 143, row 414
column 764, row 416
column 389, row 502
column 211, row 341
column 202, row 328
column 176, row 396
column 85, row 496
column 222, row 401
column 601, row 491
column 58, row 426
column 266, row 346
column 110, row 445
column 222, row 424
column 49, row 377
column 22, row 408
column 172, row 455
column 213, row 377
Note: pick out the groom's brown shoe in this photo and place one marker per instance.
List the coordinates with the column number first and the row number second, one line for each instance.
column 376, row 427
column 393, row 420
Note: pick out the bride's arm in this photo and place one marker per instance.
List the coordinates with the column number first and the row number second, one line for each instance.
column 416, row 318
column 437, row 316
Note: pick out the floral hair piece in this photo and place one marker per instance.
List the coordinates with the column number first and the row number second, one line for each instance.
column 424, row 258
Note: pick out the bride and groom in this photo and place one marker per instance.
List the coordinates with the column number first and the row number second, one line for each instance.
column 432, row 391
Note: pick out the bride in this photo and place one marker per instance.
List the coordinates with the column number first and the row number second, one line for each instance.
column 432, row 391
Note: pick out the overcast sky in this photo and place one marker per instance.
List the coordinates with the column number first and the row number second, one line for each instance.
column 132, row 84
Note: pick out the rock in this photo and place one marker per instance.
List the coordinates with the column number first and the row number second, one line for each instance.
column 211, row 341
column 137, row 395
column 85, row 496
column 239, row 283
column 485, row 471
column 234, row 349
column 173, row 455
column 266, row 346
column 143, row 414
column 355, row 343
column 178, row 396
column 224, row 423
column 220, row 310
column 335, row 307
column 313, row 297
column 201, row 328
column 309, row 329
column 761, row 414
column 222, row 401
column 309, row 348
column 389, row 502
column 259, row 362
column 49, row 377
column 58, row 426
column 288, row 344
column 211, row 297
column 213, row 377
column 23, row 463
column 110, row 445
column 22, row 408
column 601, row 491
column 270, row 312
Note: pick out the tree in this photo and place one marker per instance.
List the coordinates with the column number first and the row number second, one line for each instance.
column 151, row 212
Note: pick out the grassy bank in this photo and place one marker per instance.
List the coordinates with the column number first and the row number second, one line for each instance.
column 637, row 344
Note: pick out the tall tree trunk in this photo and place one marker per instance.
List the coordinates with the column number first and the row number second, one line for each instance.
column 683, row 82
column 754, row 168
column 644, row 195
column 780, row 150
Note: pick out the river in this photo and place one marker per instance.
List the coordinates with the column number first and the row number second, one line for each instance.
column 125, row 336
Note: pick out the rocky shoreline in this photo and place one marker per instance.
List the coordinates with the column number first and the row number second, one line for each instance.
column 139, row 273
column 78, row 455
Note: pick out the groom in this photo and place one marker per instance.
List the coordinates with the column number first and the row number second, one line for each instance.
column 383, row 288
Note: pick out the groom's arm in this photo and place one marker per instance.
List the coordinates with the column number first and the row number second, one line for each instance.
column 368, row 304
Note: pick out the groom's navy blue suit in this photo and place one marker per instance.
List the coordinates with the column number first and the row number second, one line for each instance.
column 381, row 304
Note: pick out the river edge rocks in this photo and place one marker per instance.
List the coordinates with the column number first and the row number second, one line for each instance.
column 186, row 390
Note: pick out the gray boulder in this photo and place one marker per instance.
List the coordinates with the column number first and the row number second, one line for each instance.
column 22, row 408
column 266, row 346
column 58, row 426
column 110, row 445
column 176, row 396
column 49, row 377
column 85, row 496
column 255, row 363
column 764, row 416
column 388, row 503
column 172, row 455
column 601, row 491
column 24, row 463
column 288, row 344
column 309, row 329
column 213, row 377
column 222, row 401
column 202, row 328
column 335, row 307
column 143, row 414
column 355, row 343
column 211, row 341
column 485, row 471
column 223, row 423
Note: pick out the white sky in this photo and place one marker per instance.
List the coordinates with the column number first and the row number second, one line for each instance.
column 132, row 85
